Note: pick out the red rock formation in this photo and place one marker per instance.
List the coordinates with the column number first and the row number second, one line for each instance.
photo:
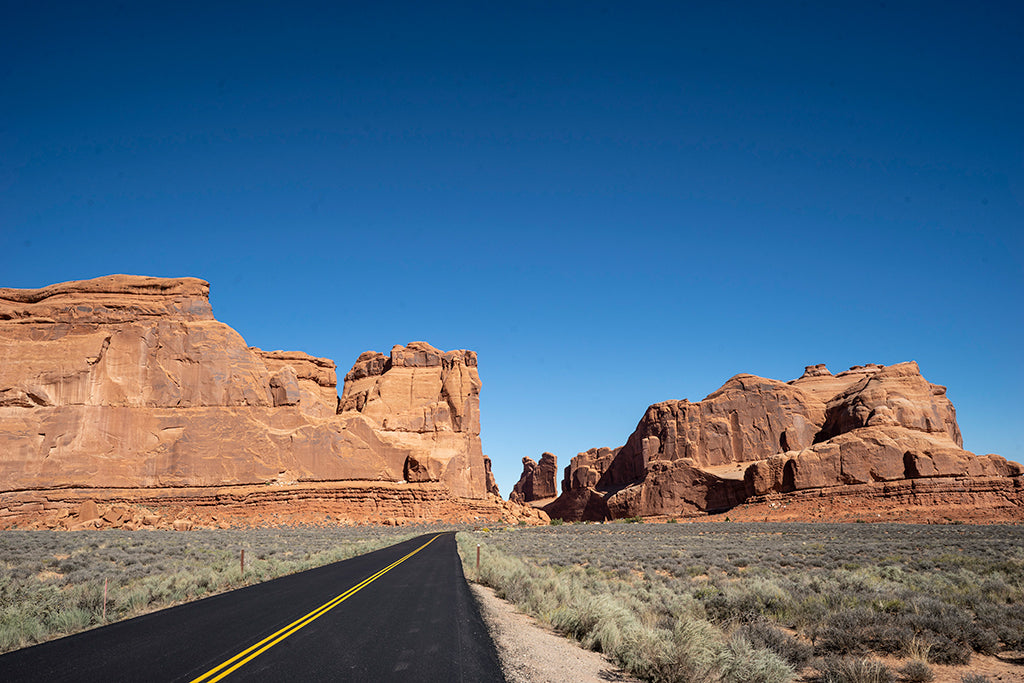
column 756, row 436
column 492, row 484
column 300, row 379
column 748, row 419
column 425, row 403
column 936, row 500
column 538, row 480
column 130, row 382
column 329, row 503
column 894, row 396
column 587, row 469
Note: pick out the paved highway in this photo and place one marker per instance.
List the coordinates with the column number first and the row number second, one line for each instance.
column 403, row 613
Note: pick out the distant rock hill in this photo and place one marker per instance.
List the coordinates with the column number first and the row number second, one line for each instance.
column 538, row 481
column 126, row 392
column 881, row 439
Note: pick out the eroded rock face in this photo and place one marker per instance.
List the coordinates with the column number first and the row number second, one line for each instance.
column 748, row 419
column 109, row 299
column 130, row 382
column 300, row 379
column 320, row 504
column 894, row 396
column 425, row 402
column 537, row 482
column 417, row 389
column 872, row 454
column 492, row 484
column 755, row 437
column 676, row 488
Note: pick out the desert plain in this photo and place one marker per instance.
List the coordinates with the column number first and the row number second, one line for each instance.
column 828, row 528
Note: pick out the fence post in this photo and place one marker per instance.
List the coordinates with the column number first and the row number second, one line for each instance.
column 105, row 579
column 243, row 560
column 478, row 560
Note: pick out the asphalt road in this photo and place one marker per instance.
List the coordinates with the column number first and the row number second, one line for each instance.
column 415, row 621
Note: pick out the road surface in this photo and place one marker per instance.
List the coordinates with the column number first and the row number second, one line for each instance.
column 403, row 613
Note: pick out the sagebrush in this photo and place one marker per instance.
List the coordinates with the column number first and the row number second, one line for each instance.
column 779, row 593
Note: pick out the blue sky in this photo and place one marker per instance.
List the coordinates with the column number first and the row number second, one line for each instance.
column 613, row 204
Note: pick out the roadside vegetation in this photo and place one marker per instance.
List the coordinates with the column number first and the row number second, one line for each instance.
column 52, row 582
column 735, row 602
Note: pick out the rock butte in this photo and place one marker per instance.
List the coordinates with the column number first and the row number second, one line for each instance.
column 538, row 481
column 874, row 441
column 123, row 402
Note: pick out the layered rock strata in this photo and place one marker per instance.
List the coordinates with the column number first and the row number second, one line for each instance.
column 129, row 382
column 756, row 436
column 538, row 480
column 319, row 504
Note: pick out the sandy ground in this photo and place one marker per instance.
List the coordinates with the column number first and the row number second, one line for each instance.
column 531, row 653
column 997, row 670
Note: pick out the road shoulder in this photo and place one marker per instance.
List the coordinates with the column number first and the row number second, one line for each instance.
column 531, row 653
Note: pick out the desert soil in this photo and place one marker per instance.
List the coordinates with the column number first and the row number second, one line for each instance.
column 531, row 653
column 997, row 670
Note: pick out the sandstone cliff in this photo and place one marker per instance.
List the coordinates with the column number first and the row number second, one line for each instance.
column 756, row 437
column 425, row 403
column 129, row 382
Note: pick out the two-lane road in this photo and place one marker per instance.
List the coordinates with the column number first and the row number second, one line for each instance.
column 403, row 613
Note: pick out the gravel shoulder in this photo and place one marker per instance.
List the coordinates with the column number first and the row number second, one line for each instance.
column 531, row 653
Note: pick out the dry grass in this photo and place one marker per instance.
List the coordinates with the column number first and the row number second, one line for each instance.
column 710, row 599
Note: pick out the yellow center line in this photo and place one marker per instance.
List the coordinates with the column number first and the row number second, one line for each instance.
column 273, row 639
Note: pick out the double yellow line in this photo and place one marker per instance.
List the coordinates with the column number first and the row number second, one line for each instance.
column 219, row 672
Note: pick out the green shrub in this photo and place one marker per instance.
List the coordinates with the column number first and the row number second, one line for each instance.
column 877, row 589
column 1006, row 621
column 649, row 629
column 860, row 630
column 748, row 601
column 917, row 672
column 742, row 662
column 942, row 650
column 854, row 670
column 761, row 633
column 70, row 620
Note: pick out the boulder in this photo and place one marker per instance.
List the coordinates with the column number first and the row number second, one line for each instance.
column 88, row 511
column 303, row 380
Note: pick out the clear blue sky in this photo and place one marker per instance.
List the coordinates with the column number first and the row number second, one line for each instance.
column 613, row 204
